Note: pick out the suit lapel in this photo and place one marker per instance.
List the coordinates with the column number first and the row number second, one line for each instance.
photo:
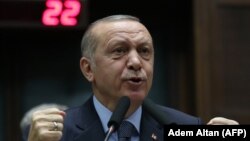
column 150, row 129
column 89, row 125
column 92, row 133
column 90, row 128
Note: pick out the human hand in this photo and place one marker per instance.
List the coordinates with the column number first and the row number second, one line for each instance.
column 222, row 121
column 46, row 125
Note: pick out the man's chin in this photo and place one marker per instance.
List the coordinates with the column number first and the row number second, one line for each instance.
column 136, row 96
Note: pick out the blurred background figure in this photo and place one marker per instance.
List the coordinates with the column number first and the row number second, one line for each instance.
column 26, row 120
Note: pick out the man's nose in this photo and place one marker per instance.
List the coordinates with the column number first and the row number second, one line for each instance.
column 134, row 61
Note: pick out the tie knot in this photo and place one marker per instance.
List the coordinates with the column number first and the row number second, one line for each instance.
column 125, row 130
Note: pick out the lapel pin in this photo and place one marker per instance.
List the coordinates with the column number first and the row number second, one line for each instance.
column 154, row 137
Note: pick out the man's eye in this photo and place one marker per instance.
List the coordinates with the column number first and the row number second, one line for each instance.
column 120, row 50
column 144, row 51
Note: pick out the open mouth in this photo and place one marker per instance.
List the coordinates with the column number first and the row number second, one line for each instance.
column 136, row 80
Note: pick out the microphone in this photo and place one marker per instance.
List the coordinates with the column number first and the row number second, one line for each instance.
column 150, row 106
column 118, row 115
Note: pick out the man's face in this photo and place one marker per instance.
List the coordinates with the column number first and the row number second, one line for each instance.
column 123, row 62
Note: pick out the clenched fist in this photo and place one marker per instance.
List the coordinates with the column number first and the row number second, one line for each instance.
column 46, row 125
column 222, row 121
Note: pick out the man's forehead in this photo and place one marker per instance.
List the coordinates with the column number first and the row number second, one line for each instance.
column 127, row 27
column 124, row 25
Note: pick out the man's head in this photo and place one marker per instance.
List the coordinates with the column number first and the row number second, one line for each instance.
column 117, row 57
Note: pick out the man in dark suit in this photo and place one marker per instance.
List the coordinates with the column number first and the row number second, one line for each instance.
column 117, row 58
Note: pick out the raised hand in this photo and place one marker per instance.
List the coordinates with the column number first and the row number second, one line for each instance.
column 47, row 125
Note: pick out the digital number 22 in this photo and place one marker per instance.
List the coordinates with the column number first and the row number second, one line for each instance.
column 58, row 12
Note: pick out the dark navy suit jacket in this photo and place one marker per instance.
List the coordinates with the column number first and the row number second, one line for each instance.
column 83, row 124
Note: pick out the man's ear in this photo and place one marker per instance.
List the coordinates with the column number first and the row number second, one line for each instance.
column 85, row 66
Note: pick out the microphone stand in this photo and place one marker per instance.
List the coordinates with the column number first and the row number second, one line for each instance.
column 110, row 131
column 118, row 115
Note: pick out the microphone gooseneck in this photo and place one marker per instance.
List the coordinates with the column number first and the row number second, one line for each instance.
column 118, row 115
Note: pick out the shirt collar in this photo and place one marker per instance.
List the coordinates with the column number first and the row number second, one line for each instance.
column 105, row 114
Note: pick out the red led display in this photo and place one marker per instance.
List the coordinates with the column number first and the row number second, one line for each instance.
column 61, row 12
column 50, row 14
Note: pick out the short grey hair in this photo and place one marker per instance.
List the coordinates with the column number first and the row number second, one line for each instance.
column 90, row 41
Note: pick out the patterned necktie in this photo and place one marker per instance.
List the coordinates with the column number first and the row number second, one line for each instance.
column 125, row 131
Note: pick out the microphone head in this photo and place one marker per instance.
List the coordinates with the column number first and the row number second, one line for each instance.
column 153, row 110
column 119, row 112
